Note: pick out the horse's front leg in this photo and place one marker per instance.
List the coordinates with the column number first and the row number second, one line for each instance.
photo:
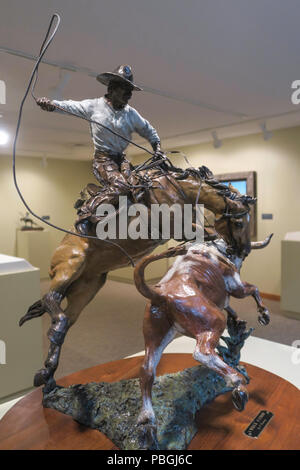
column 244, row 289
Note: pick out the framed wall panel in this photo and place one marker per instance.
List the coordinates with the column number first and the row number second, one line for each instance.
column 245, row 182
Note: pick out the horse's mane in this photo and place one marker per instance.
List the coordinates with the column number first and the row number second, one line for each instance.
column 160, row 168
column 147, row 174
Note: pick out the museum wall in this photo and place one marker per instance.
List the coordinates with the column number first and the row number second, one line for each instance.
column 50, row 190
column 277, row 163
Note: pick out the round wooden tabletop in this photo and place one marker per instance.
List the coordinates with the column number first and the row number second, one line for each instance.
column 27, row 425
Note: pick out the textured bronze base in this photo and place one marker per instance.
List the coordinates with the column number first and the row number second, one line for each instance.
column 113, row 408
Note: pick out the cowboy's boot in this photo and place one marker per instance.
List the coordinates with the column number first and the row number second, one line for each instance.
column 87, row 216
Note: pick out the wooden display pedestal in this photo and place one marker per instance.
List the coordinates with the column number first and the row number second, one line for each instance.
column 29, row 426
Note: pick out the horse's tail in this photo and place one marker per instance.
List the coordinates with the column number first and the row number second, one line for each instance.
column 35, row 310
column 139, row 278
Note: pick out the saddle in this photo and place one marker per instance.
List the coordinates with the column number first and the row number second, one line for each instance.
column 92, row 196
column 90, row 190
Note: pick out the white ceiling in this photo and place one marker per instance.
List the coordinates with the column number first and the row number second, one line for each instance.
column 236, row 56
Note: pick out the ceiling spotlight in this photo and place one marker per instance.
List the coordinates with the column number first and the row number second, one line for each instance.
column 216, row 141
column 4, row 137
column 266, row 134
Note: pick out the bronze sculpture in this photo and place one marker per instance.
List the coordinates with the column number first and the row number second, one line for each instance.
column 29, row 223
column 189, row 299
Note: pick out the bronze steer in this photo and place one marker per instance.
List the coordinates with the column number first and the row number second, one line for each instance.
column 190, row 299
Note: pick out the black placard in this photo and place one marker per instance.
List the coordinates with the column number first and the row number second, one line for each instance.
column 259, row 423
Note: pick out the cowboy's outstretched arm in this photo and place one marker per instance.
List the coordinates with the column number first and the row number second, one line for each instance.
column 81, row 108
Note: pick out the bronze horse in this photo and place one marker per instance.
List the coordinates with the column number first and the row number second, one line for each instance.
column 79, row 266
column 189, row 299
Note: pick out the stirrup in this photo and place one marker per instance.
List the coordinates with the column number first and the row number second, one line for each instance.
column 83, row 227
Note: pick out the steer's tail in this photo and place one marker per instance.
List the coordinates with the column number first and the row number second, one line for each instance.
column 35, row 310
column 139, row 277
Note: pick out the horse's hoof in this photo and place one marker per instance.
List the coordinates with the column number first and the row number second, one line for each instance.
column 147, row 437
column 240, row 397
column 83, row 227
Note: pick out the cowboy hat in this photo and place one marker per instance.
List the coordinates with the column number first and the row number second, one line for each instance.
column 122, row 73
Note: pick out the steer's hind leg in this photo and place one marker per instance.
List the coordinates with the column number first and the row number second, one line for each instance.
column 206, row 354
column 158, row 333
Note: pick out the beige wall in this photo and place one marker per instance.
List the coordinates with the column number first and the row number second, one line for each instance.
column 277, row 163
column 48, row 191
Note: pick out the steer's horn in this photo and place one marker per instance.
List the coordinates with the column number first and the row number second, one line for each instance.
column 258, row 245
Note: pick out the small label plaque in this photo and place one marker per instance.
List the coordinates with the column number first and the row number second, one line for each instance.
column 258, row 424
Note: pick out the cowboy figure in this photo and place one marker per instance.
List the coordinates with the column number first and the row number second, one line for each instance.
column 110, row 166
